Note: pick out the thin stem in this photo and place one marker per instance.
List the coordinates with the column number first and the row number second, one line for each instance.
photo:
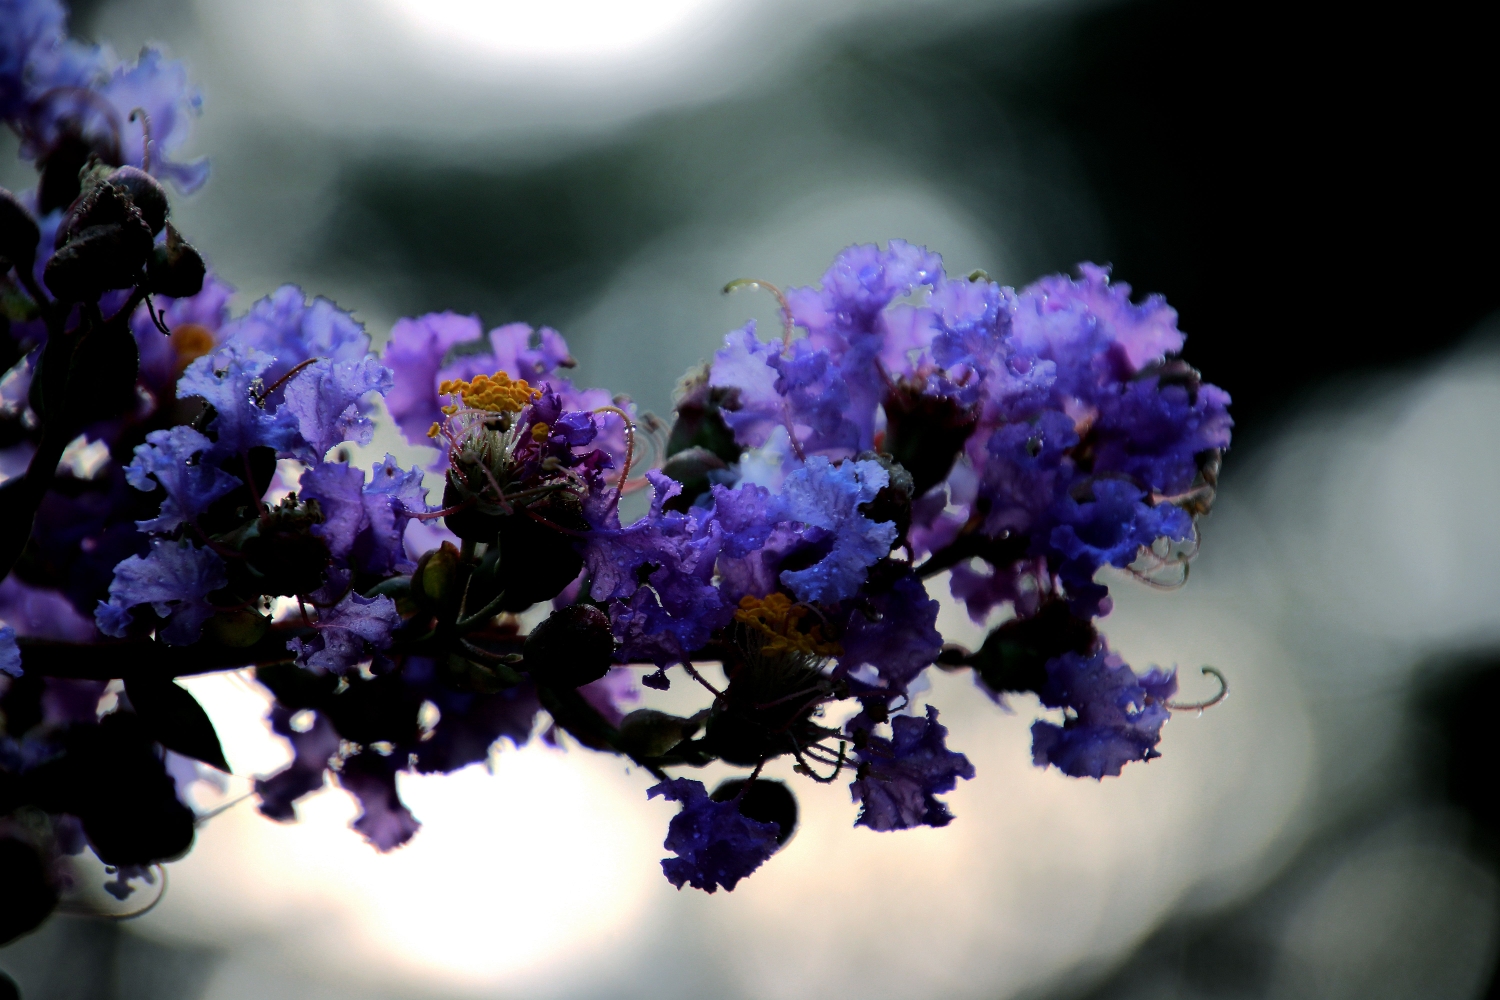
column 691, row 672
column 444, row 512
column 220, row 810
column 759, row 766
column 482, row 615
column 487, row 655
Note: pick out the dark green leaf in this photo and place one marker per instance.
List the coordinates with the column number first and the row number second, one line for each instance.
column 176, row 720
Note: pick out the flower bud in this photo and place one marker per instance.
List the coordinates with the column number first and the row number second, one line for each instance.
column 282, row 554
column 145, row 193
column 98, row 259
column 19, row 234
column 100, row 204
column 111, row 778
column 175, row 268
column 435, row 586
column 700, row 421
column 1014, row 656
column 237, row 629
column 573, row 647
column 649, row 733
column 766, row 801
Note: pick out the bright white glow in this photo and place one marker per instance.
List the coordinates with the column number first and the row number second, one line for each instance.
column 510, row 872
column 550, row 30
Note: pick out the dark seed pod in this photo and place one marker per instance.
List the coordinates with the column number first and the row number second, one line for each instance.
column 282, row 555
column 145, row 193
column 1014, row 656
column 766, row 801
column 470, row 524
column 28, row 893
column 691, row 468
column 573, row 647
column 98, row 259
column 925, row 434
column 175, row 268
column 101, row 383
column 19, row 234
column 738, row 739
column 286, row 562
column 100, row 204
column 59, row 185
column 536, row 560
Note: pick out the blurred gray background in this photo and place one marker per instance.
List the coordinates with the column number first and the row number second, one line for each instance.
column 1309, row 190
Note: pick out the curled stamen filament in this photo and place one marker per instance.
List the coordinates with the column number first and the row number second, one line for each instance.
column 786, row 310
column 629, row 438
column 145, row 136
column 1199, row 706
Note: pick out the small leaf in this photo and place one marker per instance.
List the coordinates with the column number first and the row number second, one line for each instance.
column 176, row 720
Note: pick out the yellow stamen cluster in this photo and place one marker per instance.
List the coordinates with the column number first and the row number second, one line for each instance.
column 496, row 393
column 539, row 432
column 190, row 341
column 778, row 618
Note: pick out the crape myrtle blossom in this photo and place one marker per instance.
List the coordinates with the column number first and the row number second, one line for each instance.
column 429, row 350
column 180, row 499
column 1047, row 433
column 68, row 100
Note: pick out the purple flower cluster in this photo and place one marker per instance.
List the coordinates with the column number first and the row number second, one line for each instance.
column 177, row 489
column 68, row 100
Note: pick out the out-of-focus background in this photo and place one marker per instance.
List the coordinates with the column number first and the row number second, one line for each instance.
column 1309, row 186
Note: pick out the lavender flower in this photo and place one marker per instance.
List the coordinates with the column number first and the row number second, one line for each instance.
column 10, row 653
column 1114, row 717
column 900, row 778
column 716, row 845
column 170, row 460
column 352, row 631
column 440, row 347
column 312, row 748
column 175, row 579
